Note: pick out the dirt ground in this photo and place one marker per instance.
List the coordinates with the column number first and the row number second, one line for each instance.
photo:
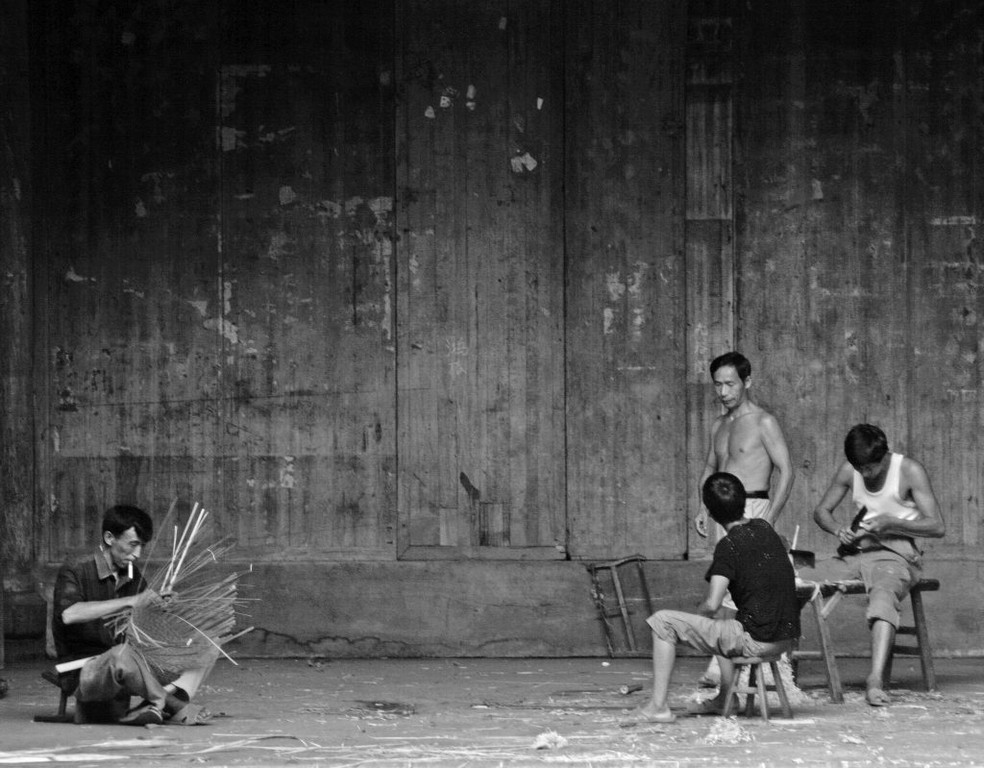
column 490, row 712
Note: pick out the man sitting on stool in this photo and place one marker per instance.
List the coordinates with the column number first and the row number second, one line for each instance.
column 99, row 586
column 752, row 563
column 894, row 502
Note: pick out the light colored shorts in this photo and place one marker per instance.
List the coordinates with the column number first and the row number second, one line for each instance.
column 887, row 578
column 716, row 637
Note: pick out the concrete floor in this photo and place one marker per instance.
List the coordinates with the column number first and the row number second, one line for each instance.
column 489, row 712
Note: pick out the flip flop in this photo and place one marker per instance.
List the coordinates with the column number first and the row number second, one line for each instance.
column 191, row 714
column 876, row 697
column 145, row 714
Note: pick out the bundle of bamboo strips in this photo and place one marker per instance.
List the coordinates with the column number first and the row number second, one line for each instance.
column 197, row 613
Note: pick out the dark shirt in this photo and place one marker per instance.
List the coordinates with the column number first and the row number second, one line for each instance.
column 761, row 580
column 88, row 580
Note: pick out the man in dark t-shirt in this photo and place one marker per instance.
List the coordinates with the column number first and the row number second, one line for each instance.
column 752, row 563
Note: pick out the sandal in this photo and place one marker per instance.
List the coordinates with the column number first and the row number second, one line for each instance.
column 191, row 714
column 145, row 714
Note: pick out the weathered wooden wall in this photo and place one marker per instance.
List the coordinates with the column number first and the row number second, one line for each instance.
column 480, row 290
column 17, row 532
column 860, row 159
column 423, row 280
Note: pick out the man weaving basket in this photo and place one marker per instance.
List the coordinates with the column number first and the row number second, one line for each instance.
column 111, row 662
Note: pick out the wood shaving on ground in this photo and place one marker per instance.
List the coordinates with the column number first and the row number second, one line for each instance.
column 726, row 730
column 549, row 740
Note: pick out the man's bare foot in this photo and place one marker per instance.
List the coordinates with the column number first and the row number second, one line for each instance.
column 711, row 706
column 875, row 694
column 650, row 713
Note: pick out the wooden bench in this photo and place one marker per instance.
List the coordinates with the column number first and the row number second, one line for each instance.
column 824, row 599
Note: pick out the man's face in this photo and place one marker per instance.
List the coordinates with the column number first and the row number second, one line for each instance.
column 871, row 471
column 125, row 548
column 730, row 389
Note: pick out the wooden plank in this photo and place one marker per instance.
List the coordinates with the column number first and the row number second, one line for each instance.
column 944, row 208
column 18, row 537
column 822, row 271
column 709, row 233
column 626, row 363
column 480, row 302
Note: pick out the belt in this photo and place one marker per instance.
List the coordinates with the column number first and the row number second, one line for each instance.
column 757, row 495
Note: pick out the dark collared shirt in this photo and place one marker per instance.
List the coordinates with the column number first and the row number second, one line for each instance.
column 88, row 580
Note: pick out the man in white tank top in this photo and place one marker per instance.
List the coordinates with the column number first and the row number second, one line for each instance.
column 893, row 503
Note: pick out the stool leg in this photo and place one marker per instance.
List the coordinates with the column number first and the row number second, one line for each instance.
column 922, row 638
column 729, row 694
column 787, row 711
column 827, row 651
column 762, row 691
column 750, row 689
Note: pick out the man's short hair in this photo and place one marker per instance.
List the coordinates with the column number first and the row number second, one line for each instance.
column 865, row 444
column 724, row 497
column 122, row 517
column 736, row 360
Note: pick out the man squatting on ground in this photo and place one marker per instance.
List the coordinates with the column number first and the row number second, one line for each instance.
column 747, row 442
column 894, row 502
column 751, row 561
column 88, row 591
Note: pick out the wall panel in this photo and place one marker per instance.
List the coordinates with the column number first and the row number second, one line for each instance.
column 944, row 208
column 626, row 350
column 218, row 273
column 480, row 281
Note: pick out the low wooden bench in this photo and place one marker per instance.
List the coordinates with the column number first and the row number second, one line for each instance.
column 66, row 682
column 824, row 597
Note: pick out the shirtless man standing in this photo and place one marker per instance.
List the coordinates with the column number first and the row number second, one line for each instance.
column 747, row 442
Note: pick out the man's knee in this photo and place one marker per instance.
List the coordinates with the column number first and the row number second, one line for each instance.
column 663, row 626
column 884, row 605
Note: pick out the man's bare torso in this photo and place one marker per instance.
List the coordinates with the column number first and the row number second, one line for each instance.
column 739, row 448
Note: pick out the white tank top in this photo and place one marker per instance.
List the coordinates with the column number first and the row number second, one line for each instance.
column 887, row 501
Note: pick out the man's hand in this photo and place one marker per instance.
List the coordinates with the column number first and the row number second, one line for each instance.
column 846, row 535
column 700, row 522
column 151, row 599
column 876, row 525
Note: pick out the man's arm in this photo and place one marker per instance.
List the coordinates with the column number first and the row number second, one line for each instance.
column 78, row 613
column 823, row 515
column 930, row 522
column 775, row 446
column 715, row 595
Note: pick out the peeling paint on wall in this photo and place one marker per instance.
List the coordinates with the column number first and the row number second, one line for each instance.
column 953, row 221
column 74, row 277
column 224, row 328
column 457, row 351
column 287, row 478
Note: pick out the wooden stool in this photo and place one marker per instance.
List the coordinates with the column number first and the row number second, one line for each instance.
column 756, row 685
column 66, row 682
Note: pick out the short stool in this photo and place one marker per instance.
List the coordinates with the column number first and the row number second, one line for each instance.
column 756, row 685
